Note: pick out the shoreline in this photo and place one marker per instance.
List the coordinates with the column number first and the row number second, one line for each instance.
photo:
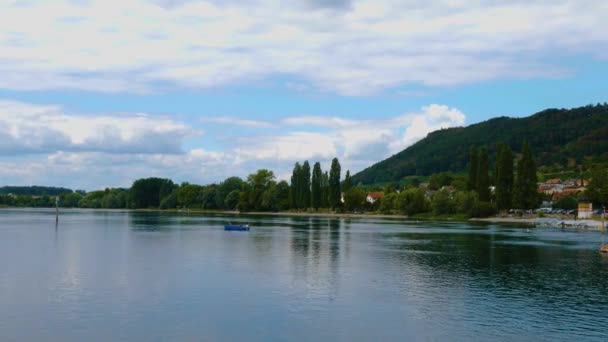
column 498, row 219
column 526, row 221
column 450, row 218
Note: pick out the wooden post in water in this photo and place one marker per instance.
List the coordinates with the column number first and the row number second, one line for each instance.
column 56, row 209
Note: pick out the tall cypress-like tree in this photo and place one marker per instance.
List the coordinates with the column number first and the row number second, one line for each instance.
column 473, row 166
column 325, row 190
column 334, row 184
column 305, row 186
column 598, row 186
column 315, row 186
column 483, row 178
column 294, row 190
column 525, row 188
column 348, row 182
column 504, row 177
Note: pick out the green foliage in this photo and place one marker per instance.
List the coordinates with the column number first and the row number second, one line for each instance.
column 557, row 135
column 334, row 184
column 483, row 209
column 389, row 203
column 208, row 197
column 146, row 193
column 568, row 203
column 169, row 201
column 70, row 200
column 275, row 197
column 525, row 194
column 354, row 199
column 348, row 182
column 226, row 187
column 598, row 186
column 466, row 202
column 473, row 169
column 412, row 202
column 259, row 191
column 438, row 180
column 443, row 203
column 483, row 177
column 304, row 200
column 106, row 199
column 504, row 177
column 296, row 186
column 316, row 193
column 189, row 196
column 232, row 199
column 282, row 196
column 325, row 190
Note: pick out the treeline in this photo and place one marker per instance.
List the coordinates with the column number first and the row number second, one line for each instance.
column 107, row 199
column 35, row 190
column 511, row 183
column 260, row 191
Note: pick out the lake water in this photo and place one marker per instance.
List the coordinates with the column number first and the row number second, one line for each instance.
column 113, row 276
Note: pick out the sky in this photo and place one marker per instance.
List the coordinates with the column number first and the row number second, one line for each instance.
column 98, row 93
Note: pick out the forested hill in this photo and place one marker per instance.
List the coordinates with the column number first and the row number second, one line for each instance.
column 555, row 135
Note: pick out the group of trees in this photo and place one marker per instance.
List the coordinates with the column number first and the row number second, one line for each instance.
column 259, row 192
column 512, row 189
column 317, row 189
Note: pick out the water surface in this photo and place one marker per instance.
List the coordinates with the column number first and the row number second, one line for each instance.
column 117, row 275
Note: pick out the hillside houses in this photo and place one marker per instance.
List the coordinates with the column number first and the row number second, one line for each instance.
column 557, row 189
column 372, row 197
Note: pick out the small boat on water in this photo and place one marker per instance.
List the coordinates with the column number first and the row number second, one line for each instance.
column 237, row 227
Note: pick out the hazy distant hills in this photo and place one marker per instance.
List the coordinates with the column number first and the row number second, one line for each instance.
column 555, row 135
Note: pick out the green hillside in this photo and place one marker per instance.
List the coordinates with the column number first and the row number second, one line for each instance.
column 555, row 135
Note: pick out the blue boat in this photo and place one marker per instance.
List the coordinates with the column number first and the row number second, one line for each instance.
column 235, row 227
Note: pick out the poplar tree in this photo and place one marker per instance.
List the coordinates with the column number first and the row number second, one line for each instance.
column 525, row 187
column 348, row 182
column 294, row 190
column 317, row 174
column 504, row 177
column 325, row 190
column 305, row 186
column 334, row 184
column 473, row 166
column 598, row 186
column 483, row 179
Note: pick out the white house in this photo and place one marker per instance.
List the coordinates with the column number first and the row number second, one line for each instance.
column 372, row 197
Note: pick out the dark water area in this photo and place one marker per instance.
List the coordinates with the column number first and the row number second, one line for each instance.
column 126, row 276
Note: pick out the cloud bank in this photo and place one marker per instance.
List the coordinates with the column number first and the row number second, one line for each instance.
column 346, row 47
column 43, row 144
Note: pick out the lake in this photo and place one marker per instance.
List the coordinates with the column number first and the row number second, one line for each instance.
column 132, row 276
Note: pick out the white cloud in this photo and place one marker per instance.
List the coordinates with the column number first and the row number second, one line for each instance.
column 354, row 48
column 42, row 144
column 227, row 120
column 290, row 147
column 28, row 128
column 319, row 121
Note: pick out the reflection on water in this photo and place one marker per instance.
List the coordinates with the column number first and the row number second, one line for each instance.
column 117, row 275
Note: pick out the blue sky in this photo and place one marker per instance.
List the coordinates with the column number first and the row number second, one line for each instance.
column 98, row 93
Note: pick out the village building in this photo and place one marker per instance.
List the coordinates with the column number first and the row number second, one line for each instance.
column 372, row 197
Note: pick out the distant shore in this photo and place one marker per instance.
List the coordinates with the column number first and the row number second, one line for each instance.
column 527, row 220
